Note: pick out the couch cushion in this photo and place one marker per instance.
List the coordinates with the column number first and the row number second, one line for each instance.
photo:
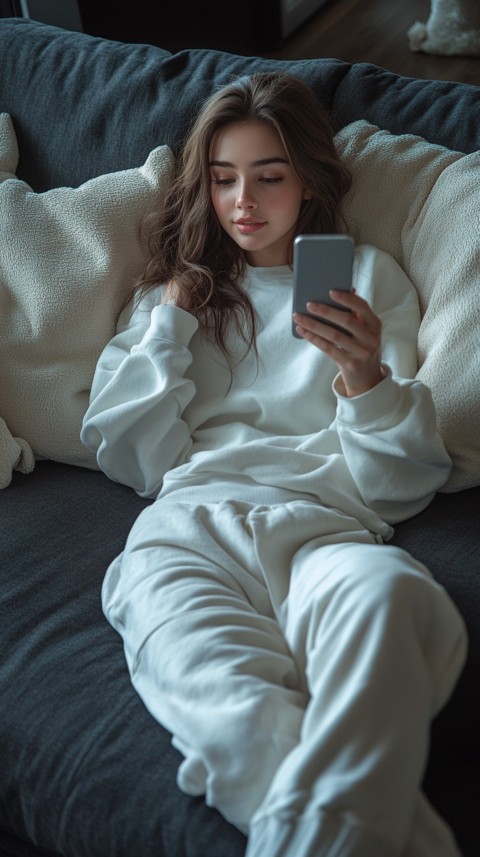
column 15, row 454
column 445, row 538
column 420, row 202
column 85, row 770
column 92, row 105
column 69, row 258
column 111, row 103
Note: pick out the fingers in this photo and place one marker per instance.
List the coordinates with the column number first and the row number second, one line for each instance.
column 354, row 345
column 359, row 320
column 360, row 328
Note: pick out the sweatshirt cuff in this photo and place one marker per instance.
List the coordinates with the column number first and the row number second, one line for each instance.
column 168, row 322
column 371, row 407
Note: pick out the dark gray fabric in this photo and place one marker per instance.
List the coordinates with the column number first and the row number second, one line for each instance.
column 12, row 846
column 94, row 106
column 114, row 102
column 442, row 112
column 85, row 770
column 446, row 538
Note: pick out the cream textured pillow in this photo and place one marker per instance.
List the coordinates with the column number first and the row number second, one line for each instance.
column 421, row 203
column 15, row 454
column 69, row 257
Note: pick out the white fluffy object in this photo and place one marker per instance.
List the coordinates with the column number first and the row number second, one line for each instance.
column 453, row 28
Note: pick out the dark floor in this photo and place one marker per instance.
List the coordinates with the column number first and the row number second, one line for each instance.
column 375, row 31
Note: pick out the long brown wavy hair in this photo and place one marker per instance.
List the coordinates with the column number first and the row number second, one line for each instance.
column 187, row 244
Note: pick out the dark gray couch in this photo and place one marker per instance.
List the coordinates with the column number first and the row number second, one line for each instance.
column 84, row 770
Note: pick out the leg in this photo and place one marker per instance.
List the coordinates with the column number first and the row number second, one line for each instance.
column 382, row 646
column 205, row 651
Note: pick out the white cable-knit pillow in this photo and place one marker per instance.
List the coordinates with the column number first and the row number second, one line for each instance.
column 421, row 203
column 69, row 257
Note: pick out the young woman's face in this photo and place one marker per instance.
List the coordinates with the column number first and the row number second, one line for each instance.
column 255, row 191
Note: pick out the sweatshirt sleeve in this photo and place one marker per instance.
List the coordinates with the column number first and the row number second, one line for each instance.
column 389, row 435
column 134, row 423
column 392, row 447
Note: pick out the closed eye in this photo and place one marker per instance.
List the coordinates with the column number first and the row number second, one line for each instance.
column 224, row 182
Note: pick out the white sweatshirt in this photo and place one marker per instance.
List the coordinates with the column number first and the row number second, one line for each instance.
column 165, row 413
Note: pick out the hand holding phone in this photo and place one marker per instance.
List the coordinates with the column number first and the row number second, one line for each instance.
column 321, row 263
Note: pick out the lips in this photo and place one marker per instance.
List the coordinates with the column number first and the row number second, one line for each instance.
column 247, row 226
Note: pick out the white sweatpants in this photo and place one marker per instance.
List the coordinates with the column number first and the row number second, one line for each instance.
column 298, row 665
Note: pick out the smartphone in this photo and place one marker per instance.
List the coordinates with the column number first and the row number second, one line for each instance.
column 321, row 263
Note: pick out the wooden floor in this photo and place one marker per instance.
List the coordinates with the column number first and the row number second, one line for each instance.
column 375, row 31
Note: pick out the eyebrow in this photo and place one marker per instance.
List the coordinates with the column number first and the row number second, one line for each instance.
column 264, row 162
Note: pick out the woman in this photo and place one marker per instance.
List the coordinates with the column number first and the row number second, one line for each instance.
column 296, row 658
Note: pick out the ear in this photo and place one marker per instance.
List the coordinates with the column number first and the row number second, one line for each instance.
column 307, row 194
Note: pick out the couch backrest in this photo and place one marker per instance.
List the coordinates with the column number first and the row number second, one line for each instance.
column 84, row 106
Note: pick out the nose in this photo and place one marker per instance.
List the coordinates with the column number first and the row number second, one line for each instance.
column 245, row 197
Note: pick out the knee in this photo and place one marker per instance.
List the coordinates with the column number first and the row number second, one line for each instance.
column 387, row 585
column 359, row 585
column 365, row 573
column 384, row 594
